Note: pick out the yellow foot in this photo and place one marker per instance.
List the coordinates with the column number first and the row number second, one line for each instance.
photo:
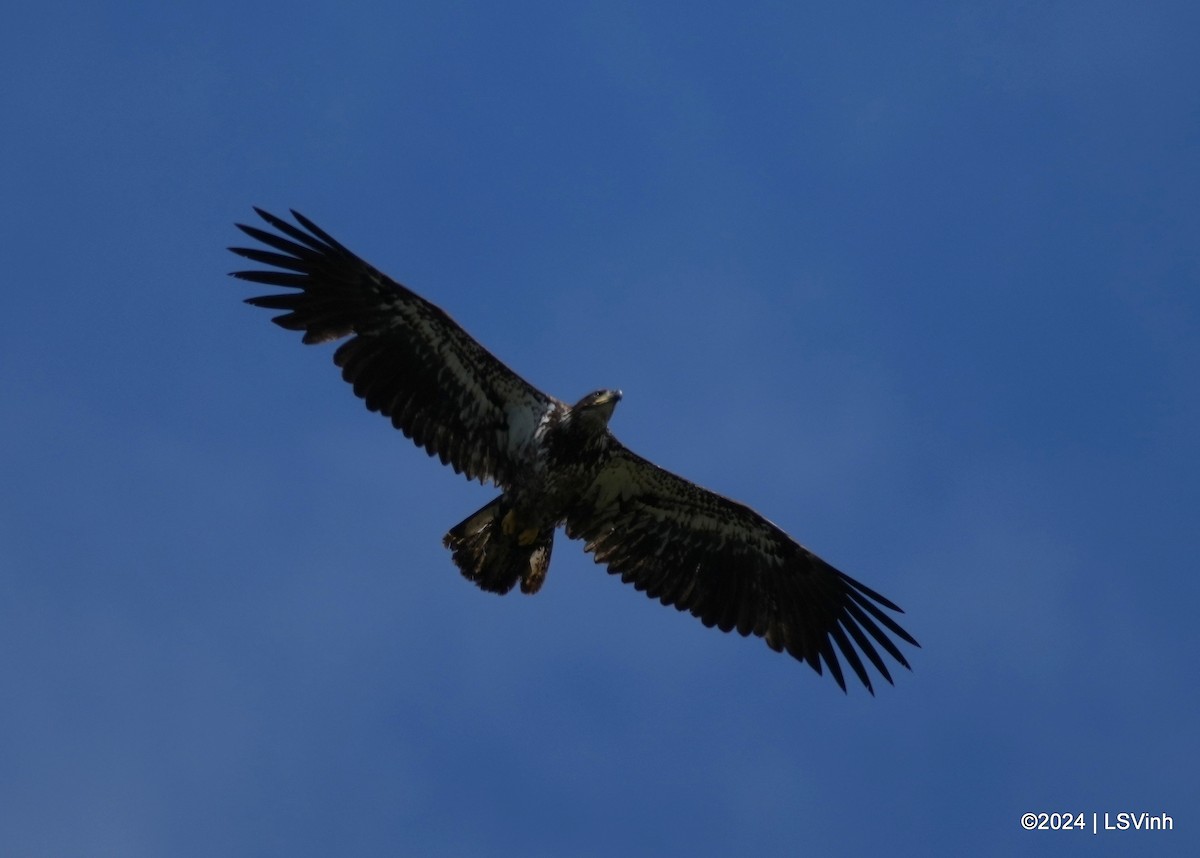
column 528, row 536
column 508, row 524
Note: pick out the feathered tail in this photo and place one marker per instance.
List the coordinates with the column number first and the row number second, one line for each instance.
column 491, row 550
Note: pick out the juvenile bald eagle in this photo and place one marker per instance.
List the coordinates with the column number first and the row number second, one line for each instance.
column 559, row 465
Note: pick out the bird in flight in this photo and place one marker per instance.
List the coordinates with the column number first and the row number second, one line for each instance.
column 558, row 465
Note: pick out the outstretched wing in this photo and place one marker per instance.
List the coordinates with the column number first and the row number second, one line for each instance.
column 405, row 357
column 729, row 566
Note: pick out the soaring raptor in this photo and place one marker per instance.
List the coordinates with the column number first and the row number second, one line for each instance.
column 559, row 465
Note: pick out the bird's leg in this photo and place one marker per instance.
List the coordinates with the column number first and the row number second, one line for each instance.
column 509, row 525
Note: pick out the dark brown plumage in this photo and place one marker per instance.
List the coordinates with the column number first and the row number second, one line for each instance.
column 559, row 465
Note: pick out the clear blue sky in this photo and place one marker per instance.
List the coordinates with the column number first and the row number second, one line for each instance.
column 921, row 282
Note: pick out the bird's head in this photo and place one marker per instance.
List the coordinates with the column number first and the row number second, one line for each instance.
column 598, row 406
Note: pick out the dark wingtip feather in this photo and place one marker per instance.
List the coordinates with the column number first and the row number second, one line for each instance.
column 872, row 602
column 317, row 231
column 273, row 220
column 851, row 656
column 829, row 655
